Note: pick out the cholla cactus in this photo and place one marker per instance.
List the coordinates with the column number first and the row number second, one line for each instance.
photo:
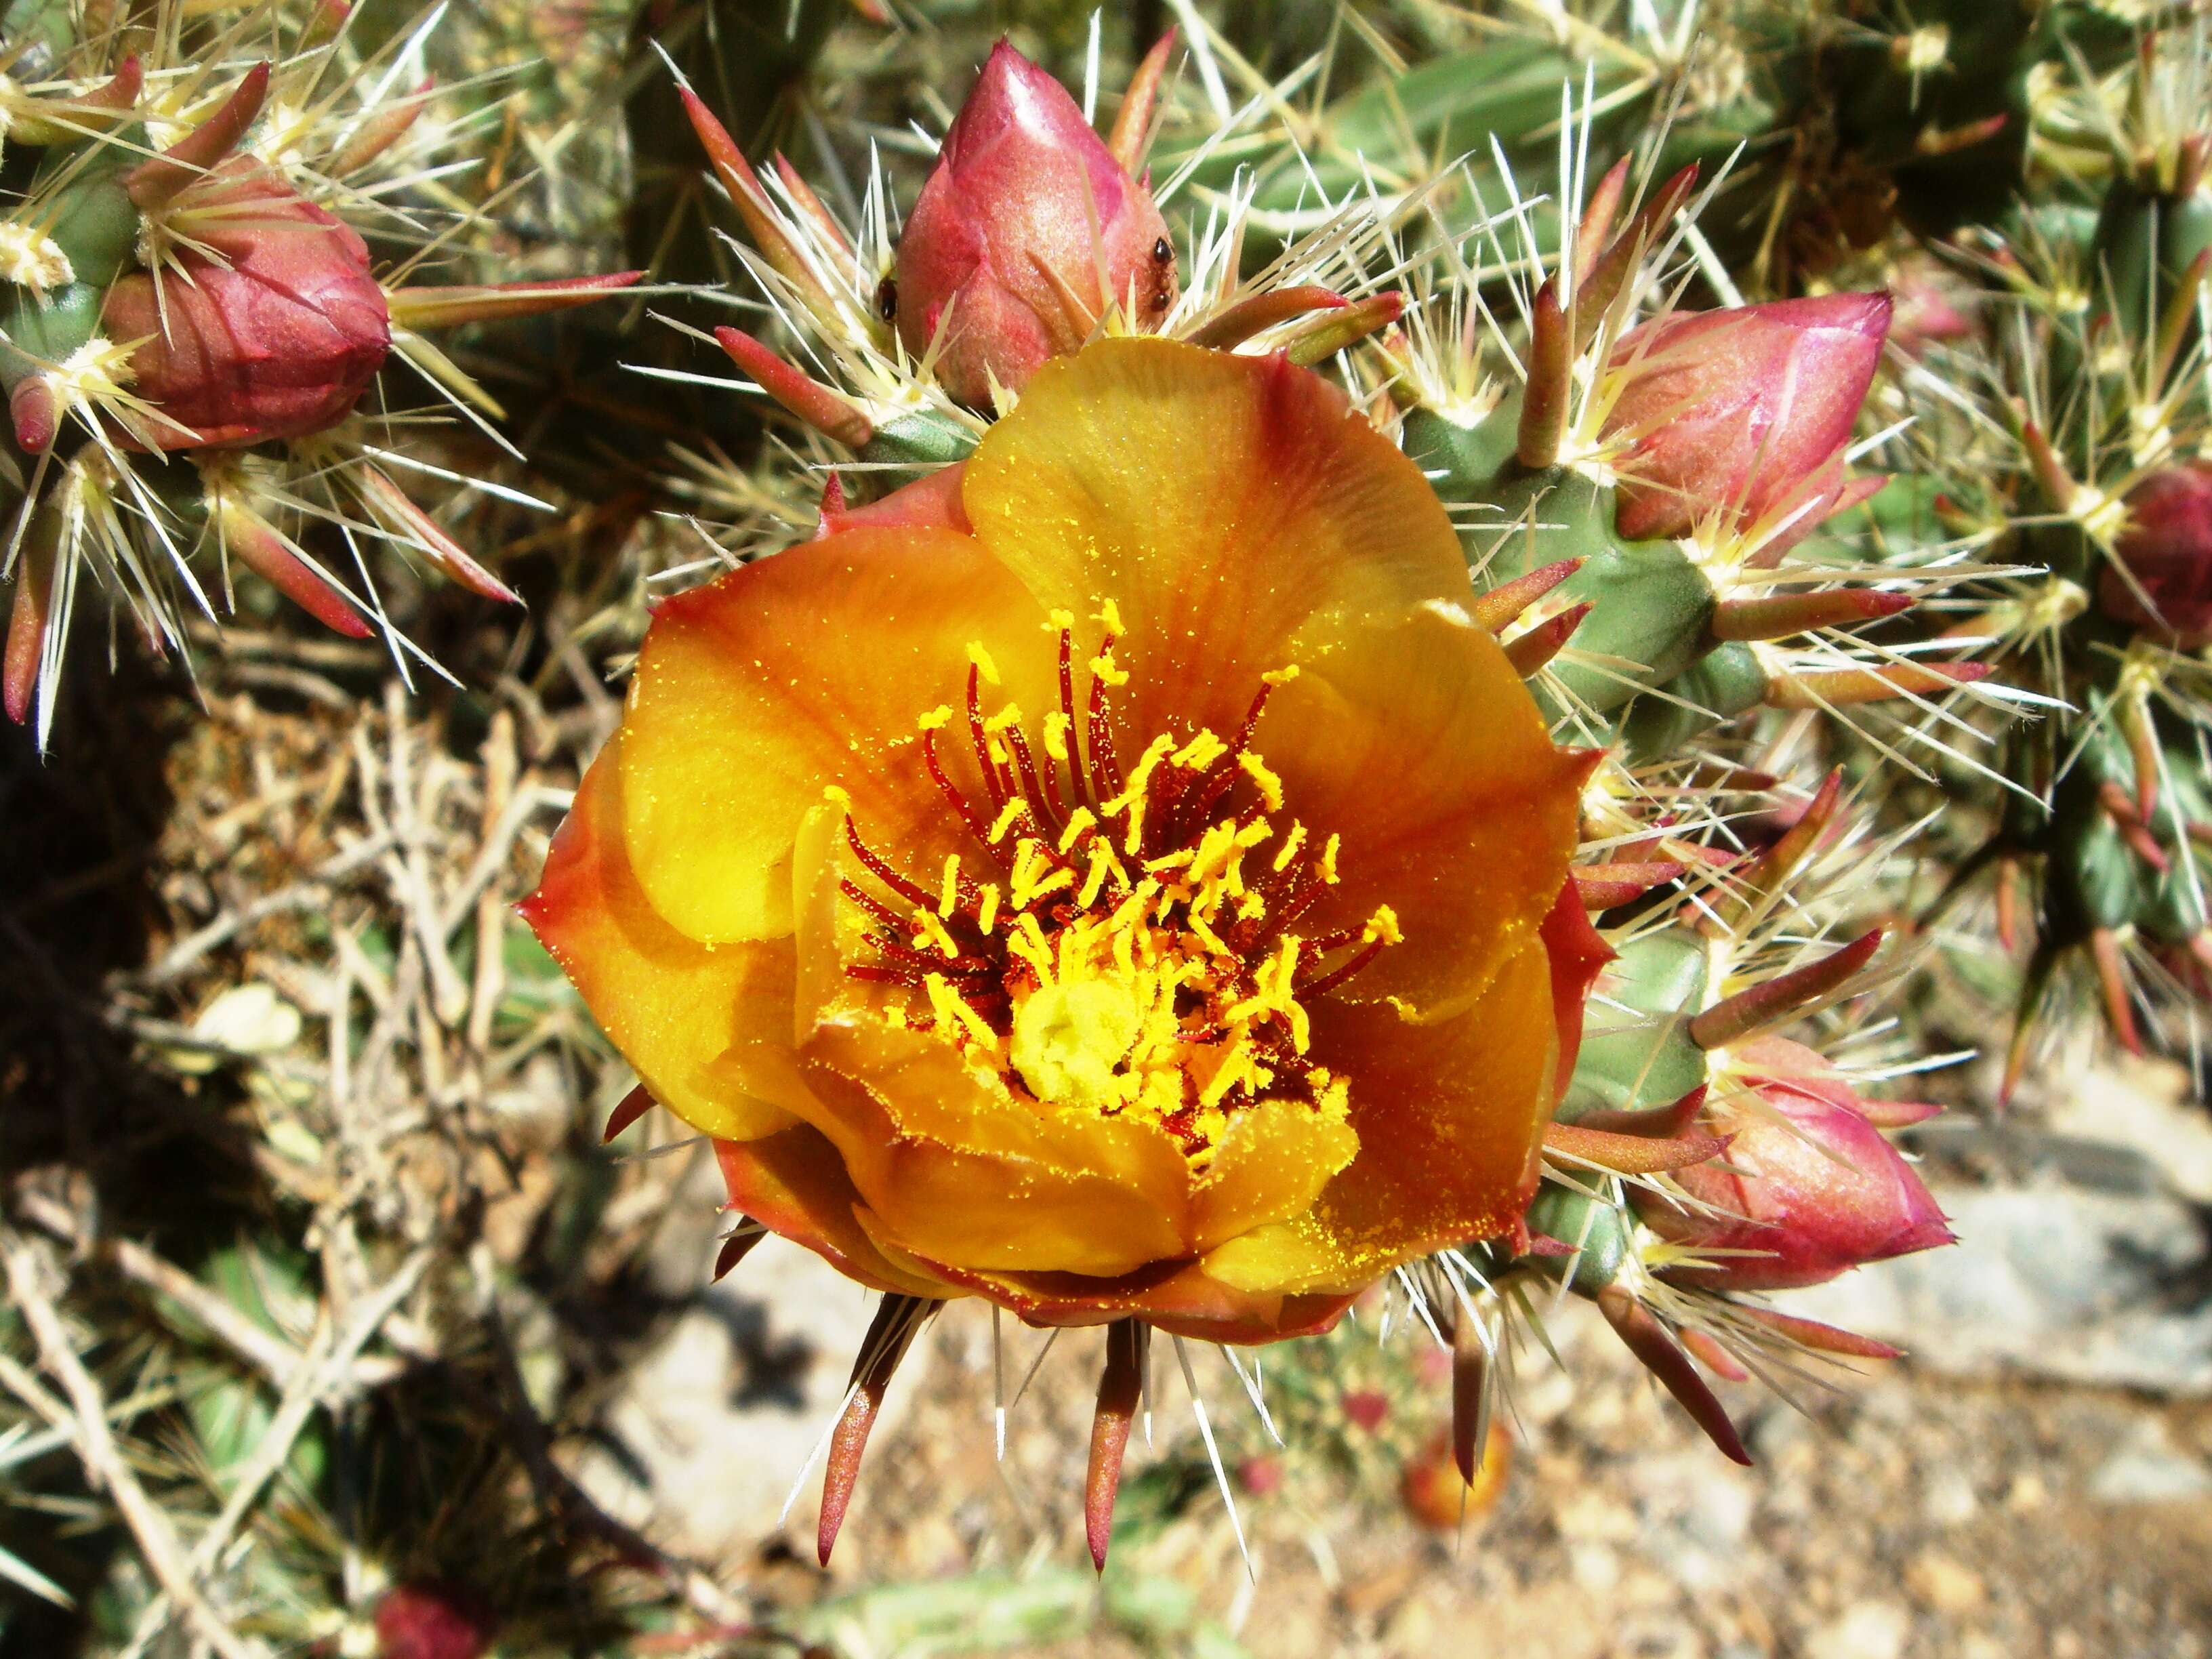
column 192, row 320
column 2074, row 449
column 1367, row 906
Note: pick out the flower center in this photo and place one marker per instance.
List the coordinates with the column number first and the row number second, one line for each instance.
column 1127, row 939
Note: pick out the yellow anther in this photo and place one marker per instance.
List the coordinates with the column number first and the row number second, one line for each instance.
column 1289, row 849
column 981, row 659
column 927, row 926
column 1009, row 815
column 937, row 719
column 1103, row 671
column 1079, row 820
column 1200, row 752
column 1282, row 676
column 987, row 913
column 1055, row 735
column 946, row 1004
column 1328, row 860
column 836, row 797
column 1250, row 907
column 1026, row 940
column 1209, row 939
column 1059, row 622
column 1270, row 786
column 948, row 892
column 1227, row 1075
column 1383, row 926
column 1109, row 616
column 1010, row 715
column 1101, row 863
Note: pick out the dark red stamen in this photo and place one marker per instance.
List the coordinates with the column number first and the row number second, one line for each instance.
column 1105, row 767
column 1214, row 781
column 874, row 906
column 871, row 861
column 1075, row 769
column 978, row 826
column 1336, row 976
column 996, row 783
column 1041, row 792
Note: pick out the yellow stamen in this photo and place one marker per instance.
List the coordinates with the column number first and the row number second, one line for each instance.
column 1270, row 786
column 926, row 926
column 984, row 666
column 948, row 892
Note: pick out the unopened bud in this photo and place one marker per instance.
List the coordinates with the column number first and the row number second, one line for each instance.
column 1026, row 232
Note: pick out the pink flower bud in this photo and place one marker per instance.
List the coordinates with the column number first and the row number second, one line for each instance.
column 1743, row 412
column 2167, row 549
column 1807, row 1188
column 1024, row 213
column 280, row 341
column 432, row 1621
column 1931, row 306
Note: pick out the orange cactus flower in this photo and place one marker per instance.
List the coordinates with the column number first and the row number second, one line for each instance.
column 1130, row 904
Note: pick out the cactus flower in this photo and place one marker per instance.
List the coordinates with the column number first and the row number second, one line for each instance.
column 1807, row 1189
column 1742, row 413
column 2166, row 549
column 1131, row 907
column 1024, row 213
column 266, row 323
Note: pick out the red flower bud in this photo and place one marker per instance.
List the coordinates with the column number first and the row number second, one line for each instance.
column 2167, row 549
column 1808, row 1187
column 433, row 1622
column 1366, row 1408
column 1024, row 213
column 1745, row 412
column 280, row 341
column 1260, row 1476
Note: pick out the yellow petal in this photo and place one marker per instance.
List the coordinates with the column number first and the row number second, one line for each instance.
column 1448, row 1116
column 671, row 1004
column 1414, row 741
column 1224, row 504
column 794, row 1184
column 807, row 670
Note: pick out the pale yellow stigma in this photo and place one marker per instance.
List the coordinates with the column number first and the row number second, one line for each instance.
column 1070, row 1040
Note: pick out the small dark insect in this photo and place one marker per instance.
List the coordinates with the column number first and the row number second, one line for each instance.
column 887, row 299
column 1162, row 253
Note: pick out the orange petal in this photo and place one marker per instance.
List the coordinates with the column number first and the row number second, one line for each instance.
column 1179, row 1298
column 793, row 1183
column 1271, row 1164
column 670, row 1004
column 1234, row 508
column 956, row 1169
column 1448, row 1116
column 1415, row 740
column 806, row 670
